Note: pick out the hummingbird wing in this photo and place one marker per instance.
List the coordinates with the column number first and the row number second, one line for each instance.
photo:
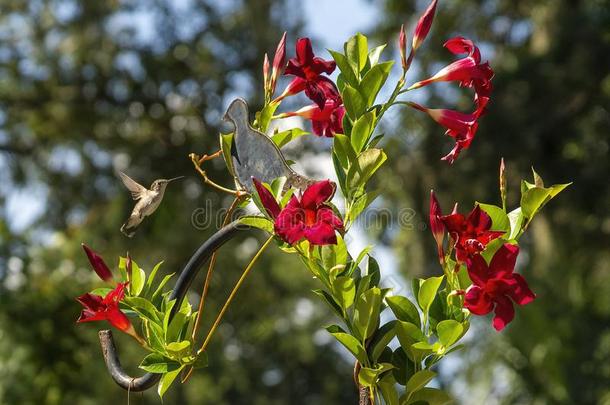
column 137, row 190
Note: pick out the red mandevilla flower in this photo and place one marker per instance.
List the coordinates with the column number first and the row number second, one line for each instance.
column 460, row 126
column 279, row 63
column 436, row 225
column 470, row 234
column 106, row 308
column 423, row 25
column 326, row 122
column 495, row 285
column 308, row 217
column 469, row 71
column 308, row 70
column 98, row 264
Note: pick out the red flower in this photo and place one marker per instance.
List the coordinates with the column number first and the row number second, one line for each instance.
column 468, row 71
column 495, row 285
column 279, row 62
column 98, row 264
column 423, row 25
column 308, row 217
column 460, row 126
column 436, row 225
column 402, row 47
column 107, row 308
column 326, row 122
column 470, row 234
column 308, row 70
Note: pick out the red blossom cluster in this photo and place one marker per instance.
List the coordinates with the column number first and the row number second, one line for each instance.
column 494, row 285
column 327, row 111
column 308, row 217
column 468, row 71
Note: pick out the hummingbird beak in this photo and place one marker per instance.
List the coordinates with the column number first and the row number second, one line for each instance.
column 175, row 178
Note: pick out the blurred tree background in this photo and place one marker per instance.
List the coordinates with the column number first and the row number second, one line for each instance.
column 91, row 87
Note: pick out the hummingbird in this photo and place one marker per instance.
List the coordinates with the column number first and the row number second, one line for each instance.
column 147, row 200
column 254, row 154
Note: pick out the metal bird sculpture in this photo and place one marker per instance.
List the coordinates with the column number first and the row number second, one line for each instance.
column 254, row 154
column 147, row 200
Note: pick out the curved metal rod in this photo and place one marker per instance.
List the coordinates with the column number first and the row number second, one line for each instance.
column 205, row 251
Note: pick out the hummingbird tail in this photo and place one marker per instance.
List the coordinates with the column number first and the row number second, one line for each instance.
column 127, row 230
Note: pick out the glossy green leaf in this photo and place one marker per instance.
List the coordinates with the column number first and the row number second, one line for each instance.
column 362, row 203
column 285, row 137
column 263, row 117
column 403, row 366
column 499, row 219
column 179, row 349
column 375, row 54
column 330, row 301
column 151, row 278
column 419, row 381
column 388, row 390
column 515, row 218
column 362, row 130
column 344, row 150
column 156, row 363
column 137, row 279
column 166, row 381
column 143, row 307
column 344, row 291
column 427, row 292
column 404, row 309
column 449, row 331
column 382, row 337
column 349, row 342
column 367, row 377
column 354, row 102
column 408, row 334
column 257, row 222
column 366, row 312
column 367, row 163
column 374, row 80
column 102, row 291
column 345, row 67
column 226, row 140
column 430, row 396
column 356, row 51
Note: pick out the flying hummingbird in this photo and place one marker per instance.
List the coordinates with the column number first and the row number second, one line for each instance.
column 147, row 200
column 254, row 154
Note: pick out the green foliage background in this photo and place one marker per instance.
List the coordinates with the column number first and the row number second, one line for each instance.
column 80, row 97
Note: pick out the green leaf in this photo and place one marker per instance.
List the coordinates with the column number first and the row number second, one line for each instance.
column 137, row 278
column 257, row 222
column 330, row 301
column 226, row 140
column 344, row 290
column 367, row 163
column 388, row 391
column 427, row 292
column 154, row 335
column 362, row 203
column 367, row 377
column 404, row 309
column 201, row 360
column 344, row 150
column 430, row 396
column 156, row 363
column 179, row 350
column 339, row 171
column 143, row 307
column 285, row 137
column 161, row 285
column 499, row 219
column 375, row 54
column 263, row 117
column 166, row 381
column 362, row 130
column 408, row 334
column 151, row 279
column 178, row 323
column 403, row 367
column 355, row 104
column 372, row 270
column 374, row 80
column 366, row 312
column 356, row 51
column 345, row 67
column 419, row 381
column 382, row 337
column 449, row 331
column 349, row 342
column 515, row 218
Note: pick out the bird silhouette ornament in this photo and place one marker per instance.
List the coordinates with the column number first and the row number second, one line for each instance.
column 147, row 200
column 254, row 154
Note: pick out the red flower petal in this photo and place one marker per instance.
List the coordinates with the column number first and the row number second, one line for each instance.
column 318, row 193
column 423, row 25
column 436, row 224
column 320, row 234
column 325, row 214
column 477, row 302
column 504, row 312
column 90, row 301
column 503, row 262
column 478, row 270
column 118, row 319
column 98, row 264
column 521, row 293
column 267, row 199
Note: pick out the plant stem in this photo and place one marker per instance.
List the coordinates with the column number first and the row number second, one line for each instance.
column 196, row 162
column 208, row 276
column 233, row 293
